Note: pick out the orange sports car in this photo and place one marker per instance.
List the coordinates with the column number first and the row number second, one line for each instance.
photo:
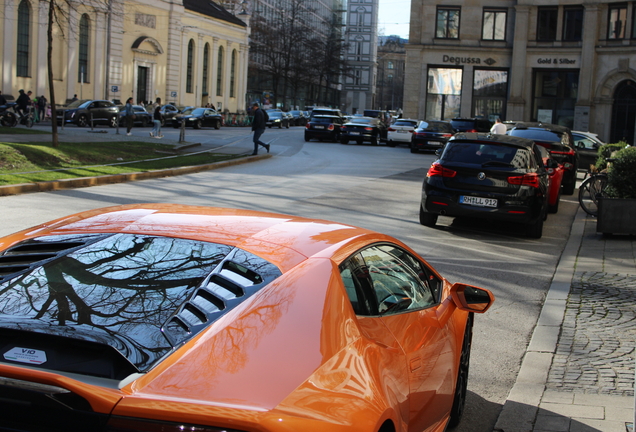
column 160, row 317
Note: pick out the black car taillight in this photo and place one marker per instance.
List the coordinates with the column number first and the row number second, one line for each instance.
column 437, row 170
column 531, row 179
column 391, row 129
column 307, row 126
column 368, row 128
column 126, row 424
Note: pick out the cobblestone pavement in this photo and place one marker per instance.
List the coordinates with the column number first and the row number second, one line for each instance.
column 595, row 352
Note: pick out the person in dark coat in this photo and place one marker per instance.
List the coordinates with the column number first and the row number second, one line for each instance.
column 22, row 102
column 258, row 126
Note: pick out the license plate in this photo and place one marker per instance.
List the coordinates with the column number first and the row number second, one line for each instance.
column 434, row 143
column 478, row 201
column 354, row 133
column 401, row 132
column 319, row 127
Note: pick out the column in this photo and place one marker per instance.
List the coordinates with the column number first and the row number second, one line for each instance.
column 516, row 103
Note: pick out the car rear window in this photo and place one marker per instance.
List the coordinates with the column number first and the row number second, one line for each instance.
column 480, row 153
column 435, row 127
column 321, row 119
column 537, row 135
column 404, row 123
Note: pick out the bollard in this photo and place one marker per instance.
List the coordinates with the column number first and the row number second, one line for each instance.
column 182, row 132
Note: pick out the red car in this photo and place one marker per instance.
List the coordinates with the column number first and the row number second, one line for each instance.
column 555, row 178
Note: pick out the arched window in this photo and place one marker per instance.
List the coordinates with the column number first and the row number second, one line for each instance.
column 84, row 43
column 190, row 66
column 24, row 29
column 206, row 61
column 233, row 74
column 219, row 74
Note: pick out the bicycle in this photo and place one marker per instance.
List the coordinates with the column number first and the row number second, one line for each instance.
column 591, row 189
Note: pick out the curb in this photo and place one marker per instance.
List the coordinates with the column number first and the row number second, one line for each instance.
column 522, row 404
column 121, row 178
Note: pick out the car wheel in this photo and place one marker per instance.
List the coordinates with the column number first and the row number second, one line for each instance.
column 197, row 124
column 555, row 208
column 427, row 219
column 459, row 399
column 217, row 125
column 163, row 122
column 391, row 143
column 145, row 122
column 535, row 230
column 175, row 125
column 307, row 138
column 82, row 121
column 344, row 141
column 568, row 189
column 287, row 126
column 112, row 122
column 280, row 125
column 374, row 140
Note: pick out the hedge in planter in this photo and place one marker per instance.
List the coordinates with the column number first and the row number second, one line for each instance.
column 605, row 152
column 617, row 209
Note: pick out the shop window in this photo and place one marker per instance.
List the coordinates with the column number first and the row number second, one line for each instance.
column 617, row 20
column 547, row 23
column 573, row 23
column 494, row 24
column 443, row 93
column 24, row 29
column 555, row 95
column 490, row 92
column 447, row 26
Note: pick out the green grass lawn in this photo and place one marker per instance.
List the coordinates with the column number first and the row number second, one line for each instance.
column 36, row 162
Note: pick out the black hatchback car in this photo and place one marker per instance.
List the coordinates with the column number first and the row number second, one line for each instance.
column 495, row 177
column 324, row 127
column 360, row 129
column 559, row 142
column 431, row 135
column 82, row 113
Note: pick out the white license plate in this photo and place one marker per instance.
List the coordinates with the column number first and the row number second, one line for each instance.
column 354, row 133
column 319, row 127
column 434, row 143
column 477, row 201
column 402, row 132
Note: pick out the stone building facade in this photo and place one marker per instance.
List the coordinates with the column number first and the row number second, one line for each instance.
column 184, row 51
column 566, row 63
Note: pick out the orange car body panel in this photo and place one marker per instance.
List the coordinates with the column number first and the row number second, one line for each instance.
column 294, row 355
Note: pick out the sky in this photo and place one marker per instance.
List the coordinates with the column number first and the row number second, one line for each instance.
column 393, row 17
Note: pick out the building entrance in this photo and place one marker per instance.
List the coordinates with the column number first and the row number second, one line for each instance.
column 142, row 84
column 624, row 113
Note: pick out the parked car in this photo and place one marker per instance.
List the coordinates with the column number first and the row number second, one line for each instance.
column 142, row 117
column 471, row 124
column 290, row 118
column 80, row 113
column 324, row 128
column 168, row 111
column 555, row 179
column 361, row 129
column 559, row 142
column 400, row 131
column 198, row 118
column 431, row 135
column 170, row 317
column 496, row 177
column 587, row 145
column 277, row 119
column 299, row 118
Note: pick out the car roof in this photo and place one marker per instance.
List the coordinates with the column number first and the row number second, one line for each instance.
column 545, row 126
column 487, row 138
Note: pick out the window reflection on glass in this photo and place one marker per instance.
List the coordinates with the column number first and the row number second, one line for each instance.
column 573, row 23
column 447, row 23
column 494, row 25
column 617, row 21
column 547, row 23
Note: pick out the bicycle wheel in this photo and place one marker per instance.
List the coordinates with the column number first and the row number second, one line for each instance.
column 590, row 190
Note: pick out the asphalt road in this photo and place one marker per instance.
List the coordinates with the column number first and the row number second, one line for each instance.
column 373, row 187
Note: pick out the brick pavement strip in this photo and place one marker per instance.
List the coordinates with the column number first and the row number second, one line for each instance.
column 595, row 353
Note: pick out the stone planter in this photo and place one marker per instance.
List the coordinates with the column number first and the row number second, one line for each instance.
column 616, row 216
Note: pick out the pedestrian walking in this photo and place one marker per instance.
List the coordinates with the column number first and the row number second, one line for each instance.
column 498, row 128
column 258, row 126
column 41, row 107
column 22, row 103
column 130, row 115
column 156, row 120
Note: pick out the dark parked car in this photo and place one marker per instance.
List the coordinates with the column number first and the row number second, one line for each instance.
column 198, row 118
column 431, row 135
column 496, row 177
column 559, row 142
column 471, row 124
column 325, row 111
column 168, row 112
column 587, row 145
column 81, row 113
column 142, row 117
column 299, row 117
column 324, row 127
column 277, row 119
column 360, row 129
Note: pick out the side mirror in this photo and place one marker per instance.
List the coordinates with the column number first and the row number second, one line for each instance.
column 471, row 298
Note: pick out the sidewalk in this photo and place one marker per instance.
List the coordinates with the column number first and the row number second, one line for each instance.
column 578, row 371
